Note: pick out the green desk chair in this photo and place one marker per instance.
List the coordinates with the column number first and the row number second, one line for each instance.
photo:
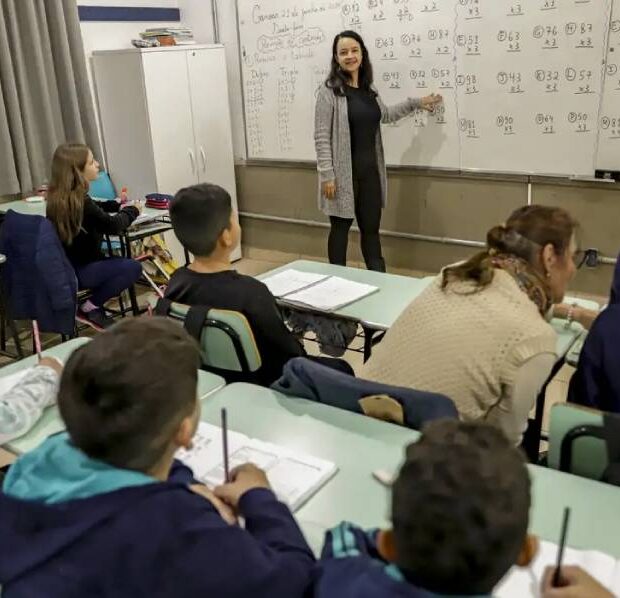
column 577, row 442
column 227, row 344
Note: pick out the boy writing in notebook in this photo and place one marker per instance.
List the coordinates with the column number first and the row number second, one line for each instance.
column 105, row 510
column 205, row 224
column 460, row 510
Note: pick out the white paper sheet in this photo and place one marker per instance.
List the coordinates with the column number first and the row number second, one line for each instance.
column 522, row 582
column 289, row 281
column 331, row 294
column 294, row 477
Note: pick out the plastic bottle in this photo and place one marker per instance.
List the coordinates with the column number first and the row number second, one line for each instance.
column 124, row 198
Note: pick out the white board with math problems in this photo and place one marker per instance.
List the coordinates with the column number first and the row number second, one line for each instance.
column 529, row 86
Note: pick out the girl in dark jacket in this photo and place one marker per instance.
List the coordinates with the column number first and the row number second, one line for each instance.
column 81, row 224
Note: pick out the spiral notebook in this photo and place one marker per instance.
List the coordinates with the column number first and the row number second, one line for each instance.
column 294, row 476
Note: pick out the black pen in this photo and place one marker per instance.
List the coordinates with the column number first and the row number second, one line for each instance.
column 556, row 575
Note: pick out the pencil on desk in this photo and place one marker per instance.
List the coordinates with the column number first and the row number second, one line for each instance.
column 225, row 445
column 37, row 338
column 556, row 575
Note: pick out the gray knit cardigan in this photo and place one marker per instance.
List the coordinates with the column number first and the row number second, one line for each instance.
column 332, row 140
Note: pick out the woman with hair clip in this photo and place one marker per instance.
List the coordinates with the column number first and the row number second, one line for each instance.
column 349, row 148
column 480, row 333
column 81, row 223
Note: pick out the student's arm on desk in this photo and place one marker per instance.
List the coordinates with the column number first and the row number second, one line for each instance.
column 270, row 557
column 576, row 584
column 582, row 315
column 111, row 206
column 22, row 405
column 108, row 224
column 271, row 553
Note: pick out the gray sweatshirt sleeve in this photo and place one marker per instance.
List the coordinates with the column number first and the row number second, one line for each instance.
column 391, row 114
column 23, row 404
column 323, row 120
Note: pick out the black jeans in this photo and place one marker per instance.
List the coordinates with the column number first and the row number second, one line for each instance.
column 367, row 194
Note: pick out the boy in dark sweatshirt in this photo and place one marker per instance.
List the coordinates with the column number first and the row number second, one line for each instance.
column 105, row 510
column 460, row 510
column 204, row 222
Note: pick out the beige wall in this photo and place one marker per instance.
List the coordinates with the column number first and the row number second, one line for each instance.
column 440, row 205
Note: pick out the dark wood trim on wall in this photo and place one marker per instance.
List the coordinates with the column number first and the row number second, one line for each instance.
column 128, row 13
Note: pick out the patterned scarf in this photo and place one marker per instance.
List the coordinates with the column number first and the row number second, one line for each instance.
column 529, row 281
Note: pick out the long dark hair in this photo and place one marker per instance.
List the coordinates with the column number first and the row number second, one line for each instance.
column 528, row 230
column 65, row 197
column 337, row 78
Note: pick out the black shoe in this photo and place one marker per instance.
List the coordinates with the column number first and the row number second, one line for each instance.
column 377, row 265
column 95, row 318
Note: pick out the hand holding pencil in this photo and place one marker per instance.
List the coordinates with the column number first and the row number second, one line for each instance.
column 574, row 582
column 242, row 479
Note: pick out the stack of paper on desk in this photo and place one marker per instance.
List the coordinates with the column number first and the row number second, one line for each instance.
column 316, row 291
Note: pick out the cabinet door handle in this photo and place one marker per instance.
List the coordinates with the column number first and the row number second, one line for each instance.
column 192, row 159
column 204, row 159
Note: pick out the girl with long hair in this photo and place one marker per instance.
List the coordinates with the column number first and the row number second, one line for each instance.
column 349, row 148
column 81, row 224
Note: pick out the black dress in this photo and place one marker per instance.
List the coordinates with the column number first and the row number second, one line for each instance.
column 364, row 121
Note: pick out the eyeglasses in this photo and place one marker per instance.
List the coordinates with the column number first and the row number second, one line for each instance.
column 589, row 257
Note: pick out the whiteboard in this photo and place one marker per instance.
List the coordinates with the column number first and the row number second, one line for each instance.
column 529, row 86
column 608, row 156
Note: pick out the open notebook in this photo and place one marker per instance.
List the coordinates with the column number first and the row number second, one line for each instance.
column 294, row 476
column 317, row 291
column 521, row 582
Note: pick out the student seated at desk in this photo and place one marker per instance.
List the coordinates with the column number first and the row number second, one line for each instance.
column 458, row 526
column 459, row 519
column 596, row 382
column 479, row 334
column 105, row 510
column 204, row 222
column 23, row 404
column 81, row 224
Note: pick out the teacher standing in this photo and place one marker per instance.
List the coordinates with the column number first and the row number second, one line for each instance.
column 349, row 148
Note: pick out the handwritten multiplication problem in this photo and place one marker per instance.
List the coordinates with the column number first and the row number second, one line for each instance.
column 419, row 77
column 470, row 43
column 511, row 81
column 468, row 126
column 580, row 121
column 506, row 124
column 469, row 82
column 511, row 40
column 545, row 123
column 472, row 9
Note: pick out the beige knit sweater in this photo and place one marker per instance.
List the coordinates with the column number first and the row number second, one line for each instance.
column 471, row 347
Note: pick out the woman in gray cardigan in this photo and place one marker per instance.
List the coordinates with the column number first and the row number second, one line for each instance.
column 349, row 149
